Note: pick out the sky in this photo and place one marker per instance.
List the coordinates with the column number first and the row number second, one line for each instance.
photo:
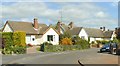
column 83, row 14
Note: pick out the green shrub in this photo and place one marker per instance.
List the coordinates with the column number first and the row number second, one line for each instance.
column 8, row 42
column 43, row 46
column 19, row 38
column 19, row 42
column 82, row 42
column 14, row 43
column 58, row 48
column 19, row 50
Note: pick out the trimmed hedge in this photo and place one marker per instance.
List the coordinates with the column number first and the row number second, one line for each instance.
column 19, row 38
column 13, row 43
column 7, row 43
column 57, row 48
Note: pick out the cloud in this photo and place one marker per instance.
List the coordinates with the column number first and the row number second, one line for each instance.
column 83, row 14
column 101, row 14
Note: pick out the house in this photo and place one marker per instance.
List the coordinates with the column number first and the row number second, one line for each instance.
column 109, row 35
column 36, row 33
column 75, row 31
column 91, row 34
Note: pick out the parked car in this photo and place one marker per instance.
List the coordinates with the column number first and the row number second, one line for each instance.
column 107, row 48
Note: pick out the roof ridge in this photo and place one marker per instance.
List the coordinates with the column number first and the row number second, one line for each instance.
column 19, row 21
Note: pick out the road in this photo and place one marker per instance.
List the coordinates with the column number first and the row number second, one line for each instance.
column 89, row 56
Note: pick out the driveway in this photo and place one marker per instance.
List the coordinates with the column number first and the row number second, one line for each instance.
column 89, row 56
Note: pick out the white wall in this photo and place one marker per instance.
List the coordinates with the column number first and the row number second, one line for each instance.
column 98, row 38
column 29, row 40
column 94, row 39
column 55, row 38
column 7, row 29
column 83, row 33
column 39, row 40
column 91, row 39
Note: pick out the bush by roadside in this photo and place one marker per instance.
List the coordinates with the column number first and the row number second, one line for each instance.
column 57, row 48
column 13, row 43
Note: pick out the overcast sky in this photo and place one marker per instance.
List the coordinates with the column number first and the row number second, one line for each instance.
column 83, row 14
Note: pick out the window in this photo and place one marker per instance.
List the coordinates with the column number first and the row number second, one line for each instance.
column 49, row 37
column 33, row 39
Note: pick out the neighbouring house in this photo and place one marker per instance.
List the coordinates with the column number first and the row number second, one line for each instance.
column 92, row 34
column 109, row 35
column 36, row 33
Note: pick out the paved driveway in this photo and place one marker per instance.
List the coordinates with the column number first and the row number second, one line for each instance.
column 89, row 56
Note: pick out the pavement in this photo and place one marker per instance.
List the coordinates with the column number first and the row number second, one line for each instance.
column 32, row 49
column 88, row 56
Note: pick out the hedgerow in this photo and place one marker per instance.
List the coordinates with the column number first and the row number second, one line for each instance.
column 13, row 43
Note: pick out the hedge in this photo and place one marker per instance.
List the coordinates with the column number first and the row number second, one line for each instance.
column 13, row 43
column 7, row 42
column 57, row 48
column 19, row 38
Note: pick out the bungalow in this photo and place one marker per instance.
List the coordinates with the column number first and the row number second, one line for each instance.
column 36, row 33
column 91, row 34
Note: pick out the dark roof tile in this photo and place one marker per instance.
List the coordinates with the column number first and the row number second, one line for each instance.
column 24, row 26
column 92, row 32
column 108, row 34
column 75, row 30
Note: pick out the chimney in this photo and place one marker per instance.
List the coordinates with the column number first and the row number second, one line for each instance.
column 58, row 25
column 35, row 23
column 103, row 28
column 70, row 25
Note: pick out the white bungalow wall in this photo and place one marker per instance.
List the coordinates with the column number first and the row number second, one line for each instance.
column 55, row 37
column 83, row 34
column 7, row 29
